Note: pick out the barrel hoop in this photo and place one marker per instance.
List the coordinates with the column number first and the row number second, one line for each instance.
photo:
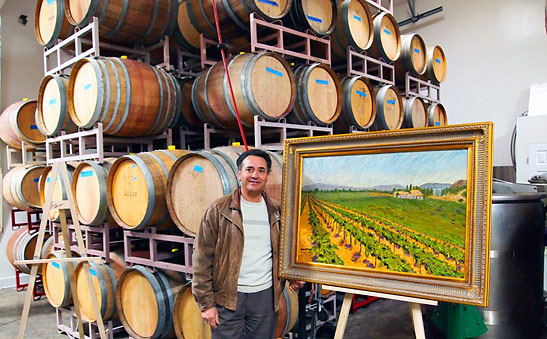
column 16, row 126
column 381, row 107
column 220, row 169
column 101, row 278
column 171, row 102
column 58, row 24
column 178, row 101
column 106, row 102
column 345, row 26
column 172, row 22
column 156, row 126
column 127, row 86
column 169, row 302
column 214, row 119
column 100, row 93
column 194, row 95
column 233, row 16
column 92, row 11
column 62, row 118
column 121, row 21
column 228, row 160
column 152, row 22
column 102, row 213
column 151, row 190
column 349, row 114
column 118, row 96
column 168, row 153
column 112, row 276
column 192, row 16
column 206, row 18
column 307, row 110
column 249, row 98
column 18, row 188
column 228, row 95
column 162, row 165
column 103, row 10
column 64, row 268
column 287, row 305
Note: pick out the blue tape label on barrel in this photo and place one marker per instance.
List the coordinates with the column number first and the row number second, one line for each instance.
column 87, row 87
column 85, row 174
column 391, row 102
column 33, row 127
column 269, row 2
column 56, row 265
column 273, row 71
column 437, row 123
column 133, row 166
column 36, row 180
column 49, row 2
column 198, row 168
column 92, row 272
column 356, row 17
column 322, row 82
column 437, row 60
column 52, row 101
column 363, row 94
column 416, row 50
column 134, row 178
column 312, row 18
column 387, row 32
column 47, row 180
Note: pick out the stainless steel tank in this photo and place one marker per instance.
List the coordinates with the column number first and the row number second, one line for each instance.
column 516, row 267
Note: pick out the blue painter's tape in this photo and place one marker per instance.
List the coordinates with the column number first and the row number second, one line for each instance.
column 273, row 71
column 33, row 127
column 198, row 168
column 363, row 94
column 47, row 180
column 437, row 123
column 356, row 17
column 56, row 265
column 437, row 60
column 269, row 2
column 312, row 18
column 52, row 101
column 87, row 87
column 49, row 2
column 416, row 50
column 86, row 174
column 322, row 82
column 92, row 271
column 391, row 102
column 134, row 178
column 36, row 180
column 387, row 32
column 133, row 166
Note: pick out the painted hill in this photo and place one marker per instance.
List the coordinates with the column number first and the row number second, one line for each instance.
column 459, row 183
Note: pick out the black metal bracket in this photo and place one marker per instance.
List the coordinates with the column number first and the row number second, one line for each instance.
column 415, row 16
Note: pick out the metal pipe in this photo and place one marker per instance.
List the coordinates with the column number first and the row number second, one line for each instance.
column 420, row 16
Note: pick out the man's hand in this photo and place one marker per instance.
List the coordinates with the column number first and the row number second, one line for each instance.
column 295, row 285
column 211, row 317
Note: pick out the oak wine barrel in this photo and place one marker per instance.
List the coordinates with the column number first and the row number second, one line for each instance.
column 253, row 78
column 21, row 246
column 188, row 116
column 319, row 16
column 89, row 191
column 187, row 316
column 105, row 279
column 124, row 21
column 52, row 113
column 50, row 23
column 415, row 113
column 413, row 57
column 185, row 34
column 436, row 65
column 387, row 37
column 233, row 15
column 287, row 314
column 389, row 109
column 197, row 179
column 59, row 191
column 145, row 301
column 55, row 277
column 353, row 28
column 129, row 97
column 358, row 104
column 318, row 95
column 437, row 115
column 136, row 187
column 20, row 187
column 18, row 124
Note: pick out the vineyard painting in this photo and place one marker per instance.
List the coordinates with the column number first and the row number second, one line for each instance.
column 400, row 212
column 404, row 212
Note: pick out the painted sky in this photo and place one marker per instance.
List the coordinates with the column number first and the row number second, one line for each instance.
column 368, row 170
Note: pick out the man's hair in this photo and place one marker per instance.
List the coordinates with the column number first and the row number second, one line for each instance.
column 258, row 153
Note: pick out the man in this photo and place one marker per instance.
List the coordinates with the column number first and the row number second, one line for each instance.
column 235, row 257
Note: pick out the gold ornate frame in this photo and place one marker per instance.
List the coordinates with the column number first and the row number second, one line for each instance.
column 476, row 138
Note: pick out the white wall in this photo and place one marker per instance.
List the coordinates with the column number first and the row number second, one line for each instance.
column 495, row 50
column 22, row 71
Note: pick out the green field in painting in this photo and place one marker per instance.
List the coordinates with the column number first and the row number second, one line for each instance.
column 441, row 219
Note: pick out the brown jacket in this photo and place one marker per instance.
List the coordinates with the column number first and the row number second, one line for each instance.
column 218, row 252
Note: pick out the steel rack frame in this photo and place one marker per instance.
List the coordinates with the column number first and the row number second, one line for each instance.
column 379, row 5
column 71, row 330
column 371, row 68
column 30, row 155
column 29, row 223
column 415, row 87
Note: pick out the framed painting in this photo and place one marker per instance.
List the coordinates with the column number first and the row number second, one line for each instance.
column 402, row 212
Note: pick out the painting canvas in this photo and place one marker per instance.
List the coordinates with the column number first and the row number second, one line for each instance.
column 390, row 210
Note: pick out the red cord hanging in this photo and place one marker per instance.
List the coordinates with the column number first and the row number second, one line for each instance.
column 228, row 75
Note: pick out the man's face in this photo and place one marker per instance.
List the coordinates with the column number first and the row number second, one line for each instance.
column 253, row 174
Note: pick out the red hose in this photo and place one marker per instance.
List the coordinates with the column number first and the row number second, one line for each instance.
column 228, row 75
